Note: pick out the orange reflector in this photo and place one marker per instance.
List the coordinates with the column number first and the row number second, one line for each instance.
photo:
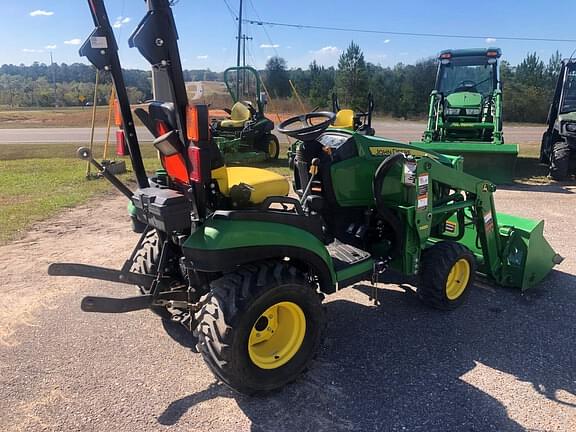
column 117, row 113
column 446, row 55
column 492, row 53
column 192, row 123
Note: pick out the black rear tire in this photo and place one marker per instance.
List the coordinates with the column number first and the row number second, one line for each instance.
column 235, row 306
column 436, row 265
column 146, row 262
column 560, row 161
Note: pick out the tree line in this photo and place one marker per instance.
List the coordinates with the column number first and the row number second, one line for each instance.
column 399, row 91
column 403, row 90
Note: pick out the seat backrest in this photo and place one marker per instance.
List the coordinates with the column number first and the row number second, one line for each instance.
column 344, row 119
column 240, row 112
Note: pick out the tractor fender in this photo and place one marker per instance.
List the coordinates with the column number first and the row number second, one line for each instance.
column 222, row 245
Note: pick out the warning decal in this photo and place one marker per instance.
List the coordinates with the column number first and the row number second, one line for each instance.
column 98, row 42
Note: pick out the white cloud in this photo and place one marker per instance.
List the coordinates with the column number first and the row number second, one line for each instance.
column 269, row 46
column 51, row 46
column 202, row 57
column 75, row 41
column 40, row 12
column 120, row 21
column 490, row 40
column 387, row 41
column 327, row 51
column 31, row 50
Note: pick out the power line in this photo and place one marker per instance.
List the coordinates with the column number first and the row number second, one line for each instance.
column 356, row 30
column 272, row 44
column 232, row 13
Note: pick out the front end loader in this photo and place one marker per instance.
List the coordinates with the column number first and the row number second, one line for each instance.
column 244, row 267
column 465, row 114
column 558, row 148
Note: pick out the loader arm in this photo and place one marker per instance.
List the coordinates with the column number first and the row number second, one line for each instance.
column 511, row 250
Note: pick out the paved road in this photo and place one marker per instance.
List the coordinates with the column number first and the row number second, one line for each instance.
column 399, row 130
column 502, row 362
column 60, row 135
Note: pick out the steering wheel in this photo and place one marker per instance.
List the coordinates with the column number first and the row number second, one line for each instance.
column 466, row 84
column 308, row 131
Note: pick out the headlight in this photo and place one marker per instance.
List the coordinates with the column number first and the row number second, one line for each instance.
column 452, row 111
column 473, row 111
column 571, row 127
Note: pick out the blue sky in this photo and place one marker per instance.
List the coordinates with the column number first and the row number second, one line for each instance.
column 34, row 28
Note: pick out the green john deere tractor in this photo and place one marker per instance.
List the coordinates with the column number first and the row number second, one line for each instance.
column 558, row 149
column 246, row 271
column 247, row 135
column 465, row 114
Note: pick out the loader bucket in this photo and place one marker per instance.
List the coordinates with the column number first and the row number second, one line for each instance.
column 527, row 256
column 493, row 162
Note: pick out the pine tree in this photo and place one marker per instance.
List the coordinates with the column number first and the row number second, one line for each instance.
column 351, row 78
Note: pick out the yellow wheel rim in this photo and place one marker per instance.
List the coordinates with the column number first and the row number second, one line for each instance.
column 277, row 335
column 272, row 147
column 457, row 279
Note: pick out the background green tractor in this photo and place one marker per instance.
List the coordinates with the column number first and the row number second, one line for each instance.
column 247, row 134
column 465, row 114
column 558, row 149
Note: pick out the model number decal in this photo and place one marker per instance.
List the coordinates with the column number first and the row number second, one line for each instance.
column 387, row 151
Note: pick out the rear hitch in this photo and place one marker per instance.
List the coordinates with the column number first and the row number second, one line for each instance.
column 173, row 299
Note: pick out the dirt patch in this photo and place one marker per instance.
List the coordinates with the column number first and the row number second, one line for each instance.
column 85, row 234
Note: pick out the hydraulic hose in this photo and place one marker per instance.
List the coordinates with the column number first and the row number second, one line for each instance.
column 387, row 215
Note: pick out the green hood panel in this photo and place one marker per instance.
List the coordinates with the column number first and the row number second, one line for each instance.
column 569, row 117
column 464, row 100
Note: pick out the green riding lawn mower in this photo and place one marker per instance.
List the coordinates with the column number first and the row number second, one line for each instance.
column 465, row 114
column 246, row 271
column 247, row 135
column 558, row 149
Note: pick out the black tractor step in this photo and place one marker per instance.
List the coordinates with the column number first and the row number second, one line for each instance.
column 344, row 255
column 115, row 305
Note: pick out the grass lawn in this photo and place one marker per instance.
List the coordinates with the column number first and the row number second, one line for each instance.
column 39, row 180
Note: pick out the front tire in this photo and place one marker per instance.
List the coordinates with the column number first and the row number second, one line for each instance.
column 273, row 147
column 447, row 274
column 260, row 327
column 560, row 161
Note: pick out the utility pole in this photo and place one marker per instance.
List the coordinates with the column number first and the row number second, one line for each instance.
column 239, row 37
column 244, row 39
column 53, row 77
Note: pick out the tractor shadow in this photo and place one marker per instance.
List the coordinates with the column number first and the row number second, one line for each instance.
column 531, row 176
column 403, row 366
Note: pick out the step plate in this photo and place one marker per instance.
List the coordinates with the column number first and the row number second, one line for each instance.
column 344, row 255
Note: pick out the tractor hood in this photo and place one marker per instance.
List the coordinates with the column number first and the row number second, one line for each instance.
column 464, row 100
column 567, row 117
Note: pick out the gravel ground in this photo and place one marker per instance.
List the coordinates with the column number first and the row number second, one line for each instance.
column 502, row 362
